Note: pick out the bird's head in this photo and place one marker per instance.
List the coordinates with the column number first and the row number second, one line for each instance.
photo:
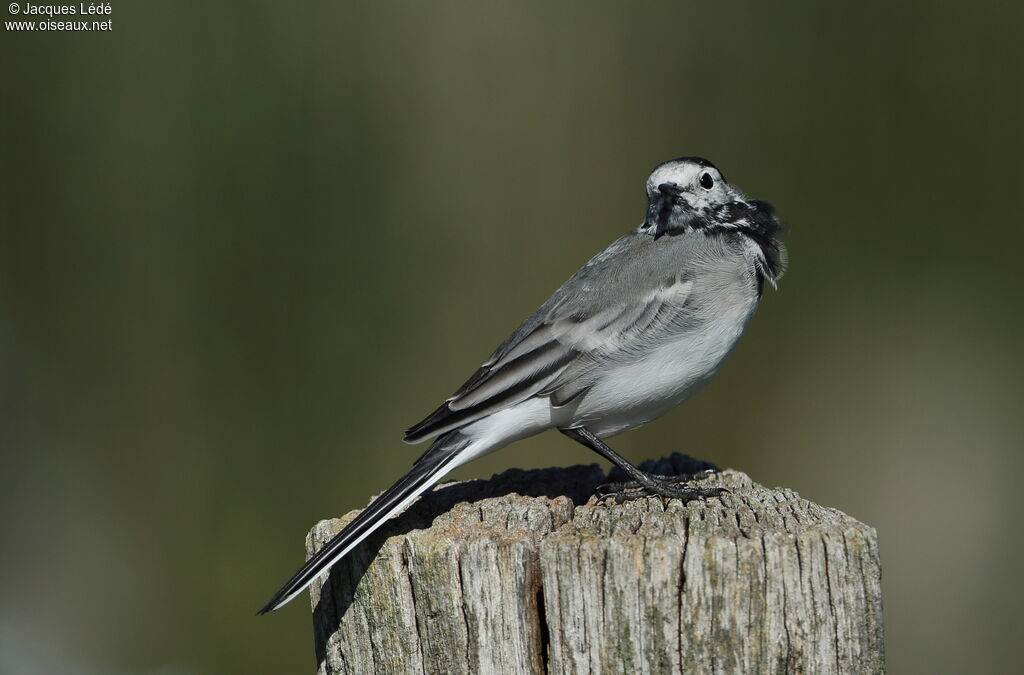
column 690, row 193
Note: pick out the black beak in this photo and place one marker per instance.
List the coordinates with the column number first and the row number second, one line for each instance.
column 660, row 208
column 669, row 190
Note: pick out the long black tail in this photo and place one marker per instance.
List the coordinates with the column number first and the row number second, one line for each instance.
column 427, row 470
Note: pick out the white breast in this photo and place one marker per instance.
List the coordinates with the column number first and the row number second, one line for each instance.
column 634, row 394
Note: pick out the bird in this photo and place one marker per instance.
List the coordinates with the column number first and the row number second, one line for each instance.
column 641, row 327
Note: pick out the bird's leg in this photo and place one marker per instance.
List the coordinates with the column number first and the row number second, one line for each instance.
column 706, row 469
column 666, row 486
column 642, row 484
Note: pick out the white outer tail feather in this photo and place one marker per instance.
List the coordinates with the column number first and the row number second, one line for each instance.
column 447, row 452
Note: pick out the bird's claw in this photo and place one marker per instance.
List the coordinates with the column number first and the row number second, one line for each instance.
column 667, row 487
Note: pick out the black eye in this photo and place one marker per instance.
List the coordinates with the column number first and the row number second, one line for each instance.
column 706, row 181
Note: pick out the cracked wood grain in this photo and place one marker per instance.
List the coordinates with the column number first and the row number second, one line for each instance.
column 524, row 573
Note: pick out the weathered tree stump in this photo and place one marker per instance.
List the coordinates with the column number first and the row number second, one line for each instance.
column 525, row 573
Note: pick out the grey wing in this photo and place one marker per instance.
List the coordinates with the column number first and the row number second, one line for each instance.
column 558, row 351
column 660, row 316
column 520, row 367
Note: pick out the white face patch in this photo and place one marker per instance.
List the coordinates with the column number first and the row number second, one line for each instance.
column 683, row 174
column 687, row 175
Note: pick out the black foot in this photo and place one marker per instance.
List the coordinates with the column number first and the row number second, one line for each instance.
column 652, row 484
column 645, row 483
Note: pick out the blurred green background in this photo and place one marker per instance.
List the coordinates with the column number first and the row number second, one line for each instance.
column 244, row 245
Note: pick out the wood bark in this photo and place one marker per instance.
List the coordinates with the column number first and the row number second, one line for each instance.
column 526, row 573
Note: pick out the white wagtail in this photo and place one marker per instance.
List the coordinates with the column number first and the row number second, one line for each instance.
column 640, row 328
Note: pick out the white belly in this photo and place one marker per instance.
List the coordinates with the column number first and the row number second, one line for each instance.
column 636, row 393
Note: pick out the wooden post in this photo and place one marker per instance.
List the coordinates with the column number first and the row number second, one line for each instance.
column 525, row 573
